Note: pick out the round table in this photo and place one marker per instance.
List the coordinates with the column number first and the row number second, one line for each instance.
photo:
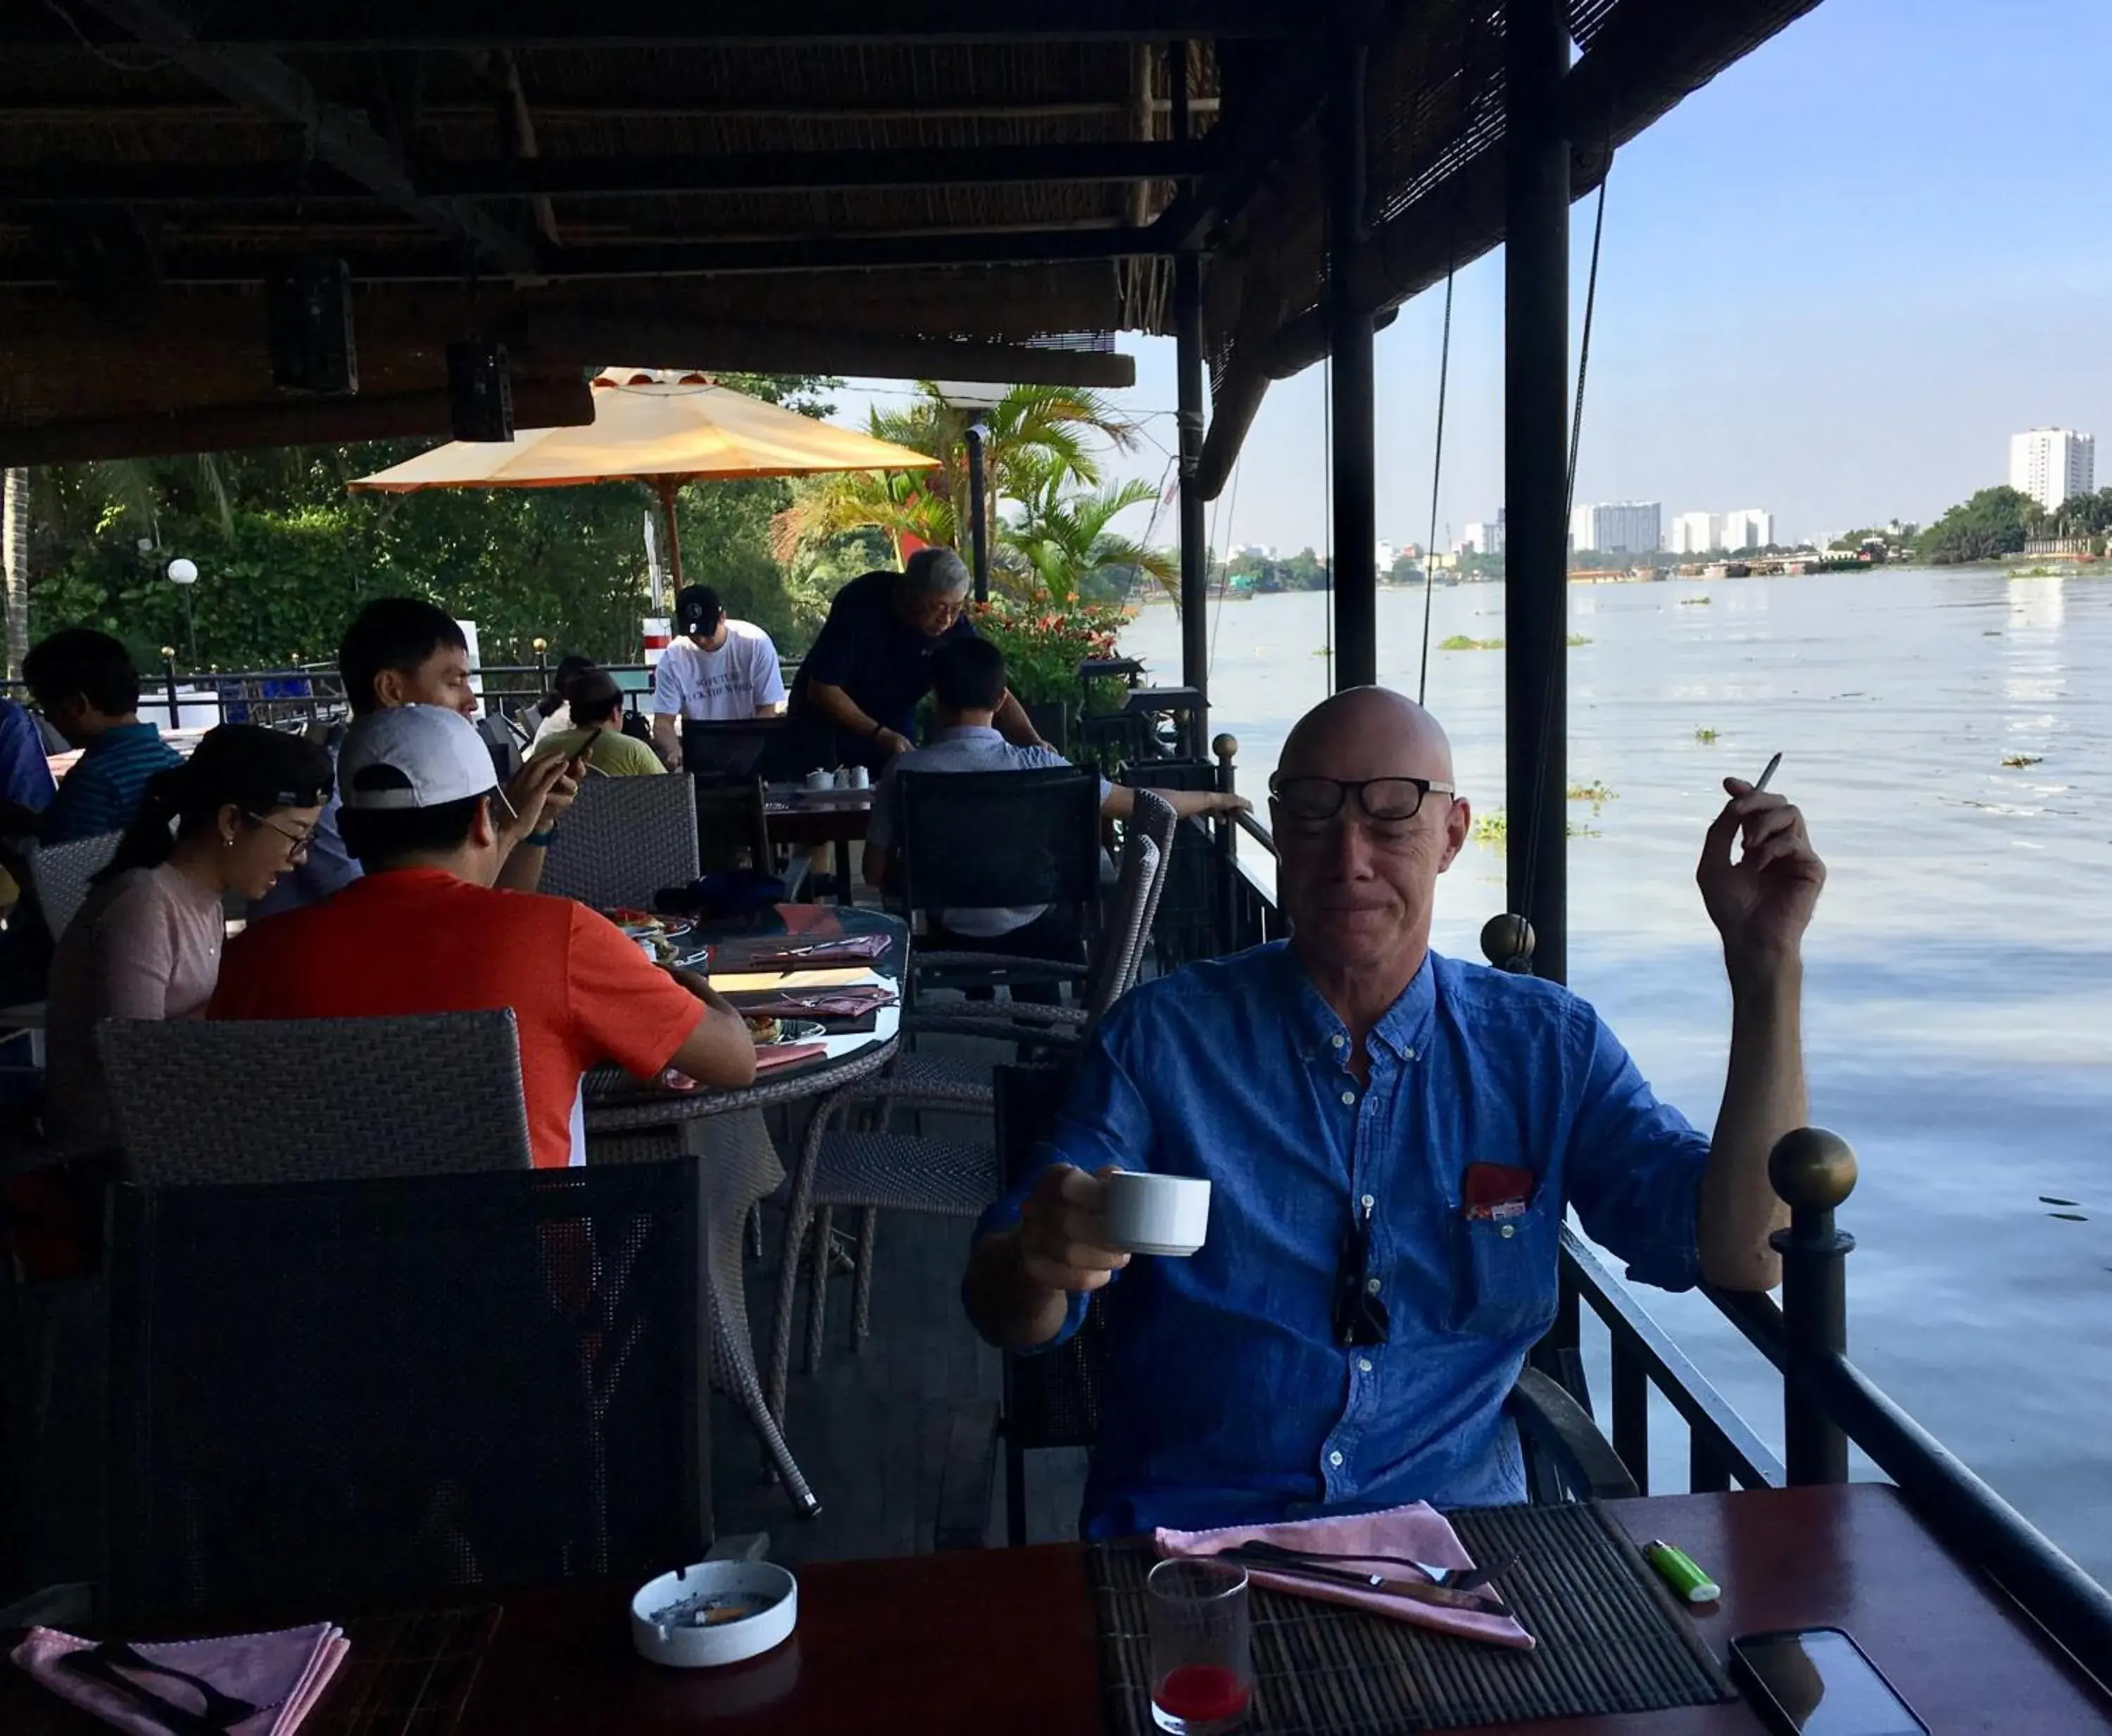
column 740, row 1165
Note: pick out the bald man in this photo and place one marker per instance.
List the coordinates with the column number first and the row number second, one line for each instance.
column 1392, row 1139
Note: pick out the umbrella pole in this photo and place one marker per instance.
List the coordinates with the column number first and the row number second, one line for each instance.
column 667, row 487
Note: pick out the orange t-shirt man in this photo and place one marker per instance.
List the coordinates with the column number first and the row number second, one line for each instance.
column 419, row 941
column 414, row 936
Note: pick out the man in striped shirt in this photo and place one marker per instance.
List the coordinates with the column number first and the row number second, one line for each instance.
column 85, row 684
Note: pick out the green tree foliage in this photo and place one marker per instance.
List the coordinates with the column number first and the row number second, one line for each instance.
column 1994, row 521
column 285, row 556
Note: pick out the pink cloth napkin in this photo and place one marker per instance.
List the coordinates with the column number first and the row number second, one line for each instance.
column 281, row 1673
column 1416, row 1531
column 854, row 1002
column 855, row 949
column 771, row 1056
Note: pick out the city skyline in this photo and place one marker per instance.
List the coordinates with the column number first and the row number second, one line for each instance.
column 1780, row 316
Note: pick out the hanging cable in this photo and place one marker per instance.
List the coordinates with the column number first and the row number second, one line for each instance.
column 1224, row 566
column 1437, row 471
column 1328, row 509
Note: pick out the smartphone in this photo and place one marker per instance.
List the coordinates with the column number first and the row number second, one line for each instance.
column 581, row 765
column 1817, row 1682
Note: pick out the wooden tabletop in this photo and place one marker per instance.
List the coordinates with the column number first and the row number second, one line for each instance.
column 1002, row 1640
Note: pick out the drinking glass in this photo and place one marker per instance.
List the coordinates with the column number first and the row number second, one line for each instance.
column 1201, row 1674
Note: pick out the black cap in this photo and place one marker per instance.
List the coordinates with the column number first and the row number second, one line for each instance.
column 697, row 609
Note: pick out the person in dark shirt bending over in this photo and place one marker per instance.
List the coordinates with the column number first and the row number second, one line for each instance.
column 858, row 689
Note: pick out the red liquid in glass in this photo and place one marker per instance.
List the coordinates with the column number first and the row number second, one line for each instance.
column 1202, row 1693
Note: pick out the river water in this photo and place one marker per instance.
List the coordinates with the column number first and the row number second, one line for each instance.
column 1958, row 994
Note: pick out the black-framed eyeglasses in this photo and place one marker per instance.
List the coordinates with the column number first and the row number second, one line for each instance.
column 297, row 842
column 1380, row 798
column 1360, row 1317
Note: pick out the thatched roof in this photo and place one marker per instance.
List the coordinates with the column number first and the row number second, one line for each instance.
column 937, row 189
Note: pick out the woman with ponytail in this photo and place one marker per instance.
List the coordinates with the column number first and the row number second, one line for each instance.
column 228, row 821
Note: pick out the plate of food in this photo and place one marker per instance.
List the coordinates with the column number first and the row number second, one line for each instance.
column 766, row 1030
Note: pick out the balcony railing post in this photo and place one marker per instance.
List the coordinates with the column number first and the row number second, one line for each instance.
column 169, row 677
column 1813, row 1171
column 1227, row 839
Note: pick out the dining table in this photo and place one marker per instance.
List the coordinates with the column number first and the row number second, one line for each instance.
column 806, row 817
column 967, row 1643
column 741, row 1165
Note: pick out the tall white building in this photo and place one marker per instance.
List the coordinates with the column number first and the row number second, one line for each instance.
column 1617, row 527
column 2050, row 464
column 1482, row 538
column 1751, row 528
column 1695, row 533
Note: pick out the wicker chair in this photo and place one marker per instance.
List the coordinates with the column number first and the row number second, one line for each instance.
column 60, row 874
column 204, row 1100
column 741, row 1168
column 625, row 838
column 376, row 1391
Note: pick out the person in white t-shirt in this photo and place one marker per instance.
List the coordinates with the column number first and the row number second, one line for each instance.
column 714, row 669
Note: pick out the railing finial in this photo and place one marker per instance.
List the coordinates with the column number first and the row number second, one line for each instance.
column 1507, row 942
column 1225, row 746
column 1812, row 1168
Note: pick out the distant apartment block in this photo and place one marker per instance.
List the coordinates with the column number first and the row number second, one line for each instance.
column 1485, row 537
column 1706, row 533
column 1617, row 527
column 2051, row 464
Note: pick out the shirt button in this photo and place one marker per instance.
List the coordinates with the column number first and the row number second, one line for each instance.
column 1508, row 1230
column 1335, row 1460
column 1367, row 1202
column 1371, row 1284
column 1364, row 1365
column 1348, row 1097
column 1407, row 1054
column 1339, row 1040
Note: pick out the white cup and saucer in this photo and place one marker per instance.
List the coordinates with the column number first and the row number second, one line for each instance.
column 1164, row 1214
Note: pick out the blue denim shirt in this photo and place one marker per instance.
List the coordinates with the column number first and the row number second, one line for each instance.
column 1227, row 1398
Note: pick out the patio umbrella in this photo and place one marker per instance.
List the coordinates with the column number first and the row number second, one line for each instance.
column 659, row 428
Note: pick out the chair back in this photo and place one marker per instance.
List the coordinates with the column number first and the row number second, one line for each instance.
column 1147, row 856
column 60, row 874
column 505, row 748
column 623, row 841
column 374, row 1392
column 1052, row 1400
column 211, row 1101
column 1184, row 923
column 731, row 824
column 975, row 840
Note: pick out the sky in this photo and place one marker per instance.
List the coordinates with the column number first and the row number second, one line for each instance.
column 1834, row 282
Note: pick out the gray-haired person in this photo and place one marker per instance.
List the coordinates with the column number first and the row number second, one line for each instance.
column 872, row 664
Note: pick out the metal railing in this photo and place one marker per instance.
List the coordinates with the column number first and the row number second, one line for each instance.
column 1827, row 1403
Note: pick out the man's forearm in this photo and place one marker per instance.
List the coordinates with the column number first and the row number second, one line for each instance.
column 841, row 709
column 1003, row 1304
column 1764, row 1098
column 666, row 743
column 1012, row 722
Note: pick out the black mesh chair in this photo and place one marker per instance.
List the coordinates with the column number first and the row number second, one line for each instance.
column 979, row 840
column 624, row 839
column 377, row 1391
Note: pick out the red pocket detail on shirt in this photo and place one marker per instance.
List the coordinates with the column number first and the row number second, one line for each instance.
column 1497, row 1190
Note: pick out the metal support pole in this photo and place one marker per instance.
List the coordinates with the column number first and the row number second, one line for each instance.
column 169, row 677
column 978, row 512
column 1355, row 553
column 1195, row 550
column 1814, row 1171
column 1536, row 473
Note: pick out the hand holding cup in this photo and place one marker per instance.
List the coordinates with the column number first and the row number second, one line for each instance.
column 1063, row 1233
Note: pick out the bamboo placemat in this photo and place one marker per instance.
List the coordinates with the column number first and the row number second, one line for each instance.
column 1612, row 1639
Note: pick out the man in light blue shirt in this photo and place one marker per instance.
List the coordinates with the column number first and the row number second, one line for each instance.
column 969, row 687
column 1392, row 1139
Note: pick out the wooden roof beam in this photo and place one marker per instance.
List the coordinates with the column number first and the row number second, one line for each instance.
column 258, row 81
column 533, row 176
column 385, row 26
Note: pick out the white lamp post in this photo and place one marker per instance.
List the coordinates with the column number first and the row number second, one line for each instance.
column 980, row 397
column 183, row 574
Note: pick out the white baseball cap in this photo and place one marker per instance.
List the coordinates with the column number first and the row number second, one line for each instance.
column 413, row 756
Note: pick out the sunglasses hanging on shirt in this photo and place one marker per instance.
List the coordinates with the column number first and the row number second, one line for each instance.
column 1360, row 1317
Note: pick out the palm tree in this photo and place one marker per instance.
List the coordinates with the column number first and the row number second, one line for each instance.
column 14, row 563
column 1032, row 429
column 1060, row 539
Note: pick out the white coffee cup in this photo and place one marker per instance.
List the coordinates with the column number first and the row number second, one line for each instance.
column 1157, row 1214
column 818, row 779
